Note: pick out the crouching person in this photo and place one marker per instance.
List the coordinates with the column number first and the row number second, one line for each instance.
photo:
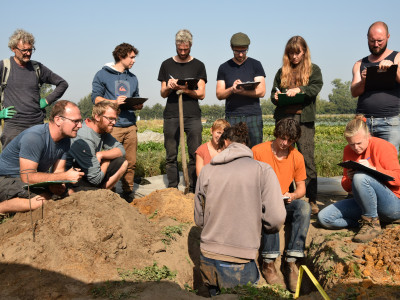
column 29, row 157
column 288, row 164
column 96, row 152
column 235, row 196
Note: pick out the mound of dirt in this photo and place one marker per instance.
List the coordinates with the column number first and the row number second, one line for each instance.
column 170, row 203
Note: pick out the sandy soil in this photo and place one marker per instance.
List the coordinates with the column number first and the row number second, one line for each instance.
column 82, row 244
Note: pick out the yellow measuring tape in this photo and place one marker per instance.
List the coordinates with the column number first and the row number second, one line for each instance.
column 313, row 279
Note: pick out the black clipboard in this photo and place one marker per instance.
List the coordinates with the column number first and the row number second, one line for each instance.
column 284, row 99
column 248, row 85
column 350, row 164
column 191, row 82
column 132, row 101
column 45, row 184
column 380, row 79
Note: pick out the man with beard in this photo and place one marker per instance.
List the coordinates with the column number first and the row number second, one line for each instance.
column 21, row 79
column 182, row 66
column 114, row 83
column 380, row 107
column 242, row 105
column 30, row 156
column 96, row 152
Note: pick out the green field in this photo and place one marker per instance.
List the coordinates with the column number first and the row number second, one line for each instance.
column 329, row 144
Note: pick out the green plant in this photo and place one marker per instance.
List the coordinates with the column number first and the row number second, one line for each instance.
column 250, row 292
column 188, row 288
column 356, row 269
column 150, row 273
column 338, row 235
column 153, row 214
column 170, row 233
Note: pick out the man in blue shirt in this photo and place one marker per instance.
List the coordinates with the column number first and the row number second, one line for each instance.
column 114, row 82
column 28, row 158
column 242, row 105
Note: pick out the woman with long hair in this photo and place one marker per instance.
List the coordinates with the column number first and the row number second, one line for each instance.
column 299, row 75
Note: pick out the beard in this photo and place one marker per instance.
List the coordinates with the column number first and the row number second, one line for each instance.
column 377, row 51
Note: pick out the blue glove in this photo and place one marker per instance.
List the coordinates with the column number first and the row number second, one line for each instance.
column 7, row 113
column 43, row 103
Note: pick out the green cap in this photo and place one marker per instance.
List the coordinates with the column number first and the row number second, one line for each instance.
column 240, row 39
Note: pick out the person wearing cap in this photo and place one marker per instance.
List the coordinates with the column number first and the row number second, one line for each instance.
column 182, row 66
column 242, row 105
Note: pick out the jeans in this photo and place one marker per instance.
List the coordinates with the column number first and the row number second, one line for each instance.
column 386, row 128
column 193, row 130
column 254, row 124
column 298, row 216
column 219, row 274
column 371, row 199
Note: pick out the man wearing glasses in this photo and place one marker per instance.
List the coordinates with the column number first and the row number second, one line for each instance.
column 30, row 156
column 22, row 106
column 242, row 105
column 380, row 107
column 114, row 82
column 96, row 152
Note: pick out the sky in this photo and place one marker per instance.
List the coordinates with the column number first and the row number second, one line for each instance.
column 76, row 38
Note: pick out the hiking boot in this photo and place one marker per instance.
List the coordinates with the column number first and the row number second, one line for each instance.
column 128, row 196
column 291, row 276
column 270, row 273
column 370, row 229
column 314, row 208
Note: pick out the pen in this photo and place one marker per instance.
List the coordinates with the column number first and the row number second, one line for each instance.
column 367, row 158
column 171, row 76
column 277, row 90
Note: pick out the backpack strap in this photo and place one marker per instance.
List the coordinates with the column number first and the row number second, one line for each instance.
column 4, row 77
column 36, row 67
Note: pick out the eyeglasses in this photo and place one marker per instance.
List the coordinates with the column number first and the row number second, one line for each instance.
column 76, row 122
column 110, row 119
column 240, row 51
column 24, row 51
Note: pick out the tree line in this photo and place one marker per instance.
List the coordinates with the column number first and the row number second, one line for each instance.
column 339, row 101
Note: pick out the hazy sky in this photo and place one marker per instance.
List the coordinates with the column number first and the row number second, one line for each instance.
column 76, row 38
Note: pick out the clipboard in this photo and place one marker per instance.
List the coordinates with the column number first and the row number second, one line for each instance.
column 350, row 164
column 380, row 79
column 284, row 100
column 249, row 85
column 132, row 101
column 191, row 82
column 45, row 184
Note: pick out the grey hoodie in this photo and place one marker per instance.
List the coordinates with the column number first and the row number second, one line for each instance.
column 240, row 195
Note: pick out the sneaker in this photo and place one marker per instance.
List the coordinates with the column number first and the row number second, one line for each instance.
column 270, row 273
column 370, row 229
column 314, row 208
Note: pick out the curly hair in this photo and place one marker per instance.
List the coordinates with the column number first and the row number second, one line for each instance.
column 123, row 50
column 303, row 69
column 20, row 35
column 238, row 133
column 100, row 108
column 355, row 125
column 183, row 36
column 288, row 129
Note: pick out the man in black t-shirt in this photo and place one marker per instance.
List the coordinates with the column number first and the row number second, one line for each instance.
column 380, row 107
column 242, row 105
column 182, row 66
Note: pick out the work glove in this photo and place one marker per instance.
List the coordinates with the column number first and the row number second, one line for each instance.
column 43, row 103
column 7, row 113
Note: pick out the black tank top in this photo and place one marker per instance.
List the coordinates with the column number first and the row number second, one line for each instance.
column 382, row 103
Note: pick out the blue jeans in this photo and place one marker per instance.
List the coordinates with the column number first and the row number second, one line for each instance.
column 219, row 274
column 298, row 216
column 386, row 128
column 371, row 199
column 254, row 124
column 193, row 130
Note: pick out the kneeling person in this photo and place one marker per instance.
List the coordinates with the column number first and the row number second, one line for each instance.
column 288, row 164
column 100, row 156
column 29, row 156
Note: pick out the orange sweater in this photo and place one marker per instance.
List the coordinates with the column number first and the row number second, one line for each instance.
column 383, row 156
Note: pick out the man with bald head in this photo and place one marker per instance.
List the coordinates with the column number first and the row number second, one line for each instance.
column 380, row 107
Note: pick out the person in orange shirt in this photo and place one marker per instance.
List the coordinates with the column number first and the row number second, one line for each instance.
column 288, row 164
column 373, row 200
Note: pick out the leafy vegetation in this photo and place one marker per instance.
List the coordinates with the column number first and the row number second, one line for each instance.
column 170, row 233
column 150, row 273
column 251, row 292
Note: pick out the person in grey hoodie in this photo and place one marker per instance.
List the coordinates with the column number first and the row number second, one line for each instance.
column 235, row 196
column 115, row 83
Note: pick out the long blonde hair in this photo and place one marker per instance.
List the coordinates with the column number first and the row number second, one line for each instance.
column 304, row 68
column 355, row 125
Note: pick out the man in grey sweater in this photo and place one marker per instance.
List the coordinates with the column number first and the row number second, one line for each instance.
column 96, row 152
column 235, row 197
